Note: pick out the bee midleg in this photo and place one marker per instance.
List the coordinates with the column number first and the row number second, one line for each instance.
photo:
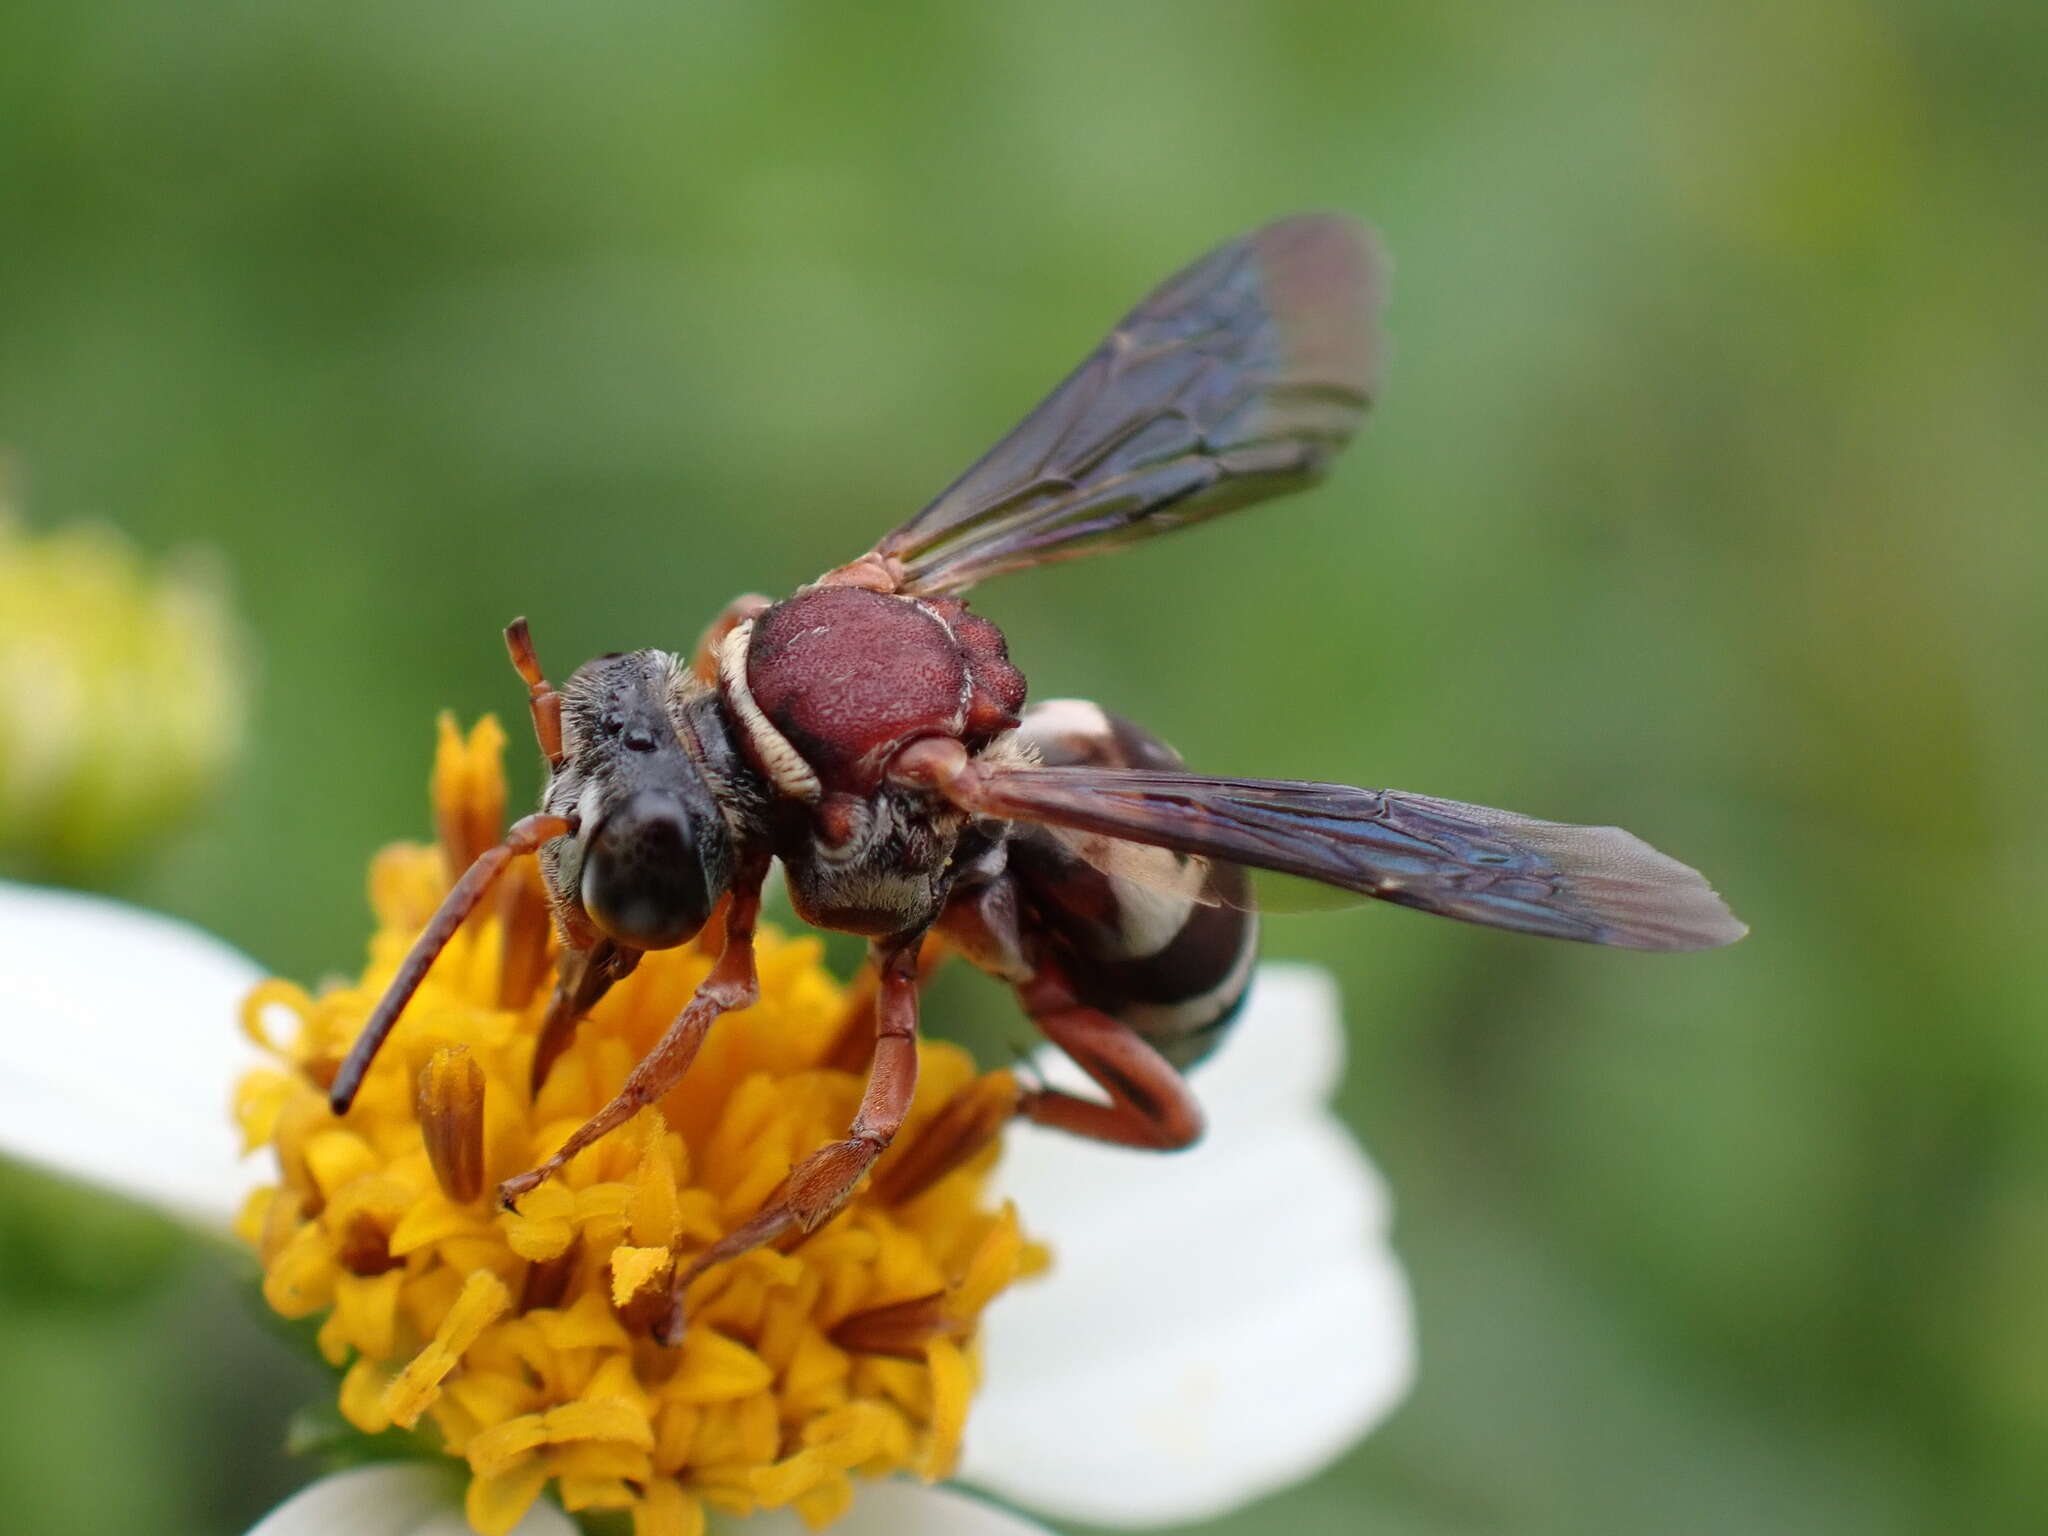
column 821, row 1183
column 1160, row 943
column 853, row 1046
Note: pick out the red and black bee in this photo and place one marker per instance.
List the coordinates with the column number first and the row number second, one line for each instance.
column 871, row 733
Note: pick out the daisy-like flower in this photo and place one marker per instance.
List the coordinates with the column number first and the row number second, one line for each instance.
column 1219, row 1323
column 122, row 692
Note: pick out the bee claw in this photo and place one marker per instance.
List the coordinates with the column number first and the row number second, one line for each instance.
column 511, row 1191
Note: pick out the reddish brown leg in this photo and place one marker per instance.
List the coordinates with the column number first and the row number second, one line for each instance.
column 541, row 698
column 586, row 976
column 731, row 985
column 853, row 1047
column 1150, row 1105
column 819, row 1185
column 751, row 605
column 526, row 835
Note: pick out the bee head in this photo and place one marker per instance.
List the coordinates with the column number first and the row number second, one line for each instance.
column 653, row 853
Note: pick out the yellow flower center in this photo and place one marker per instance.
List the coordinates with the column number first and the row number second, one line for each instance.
column 524, row 1339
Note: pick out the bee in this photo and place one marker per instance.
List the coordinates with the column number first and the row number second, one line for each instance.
column 871, row 733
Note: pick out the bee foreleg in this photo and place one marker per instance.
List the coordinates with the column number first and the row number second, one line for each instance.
column 819, row 1185
column 731, row 985
column 1150, row 1105
column 586, row 975
column 854, row 1046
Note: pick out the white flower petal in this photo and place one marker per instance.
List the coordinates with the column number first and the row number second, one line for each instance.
column 898, row 1509
column 119, row 1048
column 393, row 1498
column 1218, row 1323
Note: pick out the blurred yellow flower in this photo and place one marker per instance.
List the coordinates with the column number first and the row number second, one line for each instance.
column 524, row 1339
column 123, row 692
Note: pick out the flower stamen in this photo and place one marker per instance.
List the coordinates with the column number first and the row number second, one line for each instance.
column 523, row 910
column 365, row 1249
column 903, row 1329
column 469, row 791
column 451, row 1115
column 547, row 1280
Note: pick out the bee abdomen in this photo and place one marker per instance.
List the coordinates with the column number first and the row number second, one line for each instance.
column 1160, row 942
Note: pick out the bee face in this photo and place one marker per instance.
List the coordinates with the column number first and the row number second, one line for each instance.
column 653, row 853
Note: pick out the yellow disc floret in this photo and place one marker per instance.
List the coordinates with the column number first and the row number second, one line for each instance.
column 524, row 1340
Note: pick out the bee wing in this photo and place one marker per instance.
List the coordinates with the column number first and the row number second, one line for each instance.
column 1237, row 379
column 1203, row 882
column 1597, row 885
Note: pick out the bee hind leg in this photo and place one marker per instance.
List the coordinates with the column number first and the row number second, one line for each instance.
column 1150, row 1105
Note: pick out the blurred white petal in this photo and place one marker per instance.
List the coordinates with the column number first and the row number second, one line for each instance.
column 393, row 1498
column 119, row 1048
column 897, row 1509
column 422, row 1499
column 1218, row 1323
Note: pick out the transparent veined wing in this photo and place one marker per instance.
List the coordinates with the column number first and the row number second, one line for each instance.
column 1595, row 885
column 1237, row 379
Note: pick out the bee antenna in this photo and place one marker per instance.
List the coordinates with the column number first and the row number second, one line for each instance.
column 525, row 836
column 541, row 699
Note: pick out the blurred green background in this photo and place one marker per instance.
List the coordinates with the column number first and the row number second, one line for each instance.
column 1706, row 497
